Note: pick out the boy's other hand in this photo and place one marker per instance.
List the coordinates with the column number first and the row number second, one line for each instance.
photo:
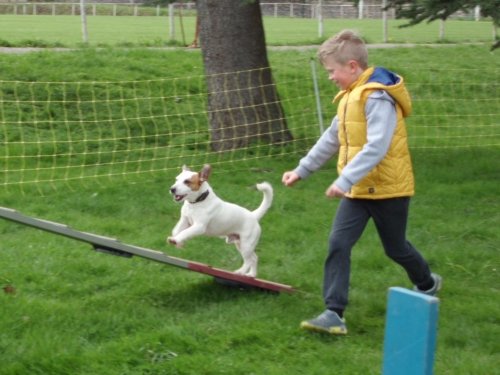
column 289, row 178
column 334, row 192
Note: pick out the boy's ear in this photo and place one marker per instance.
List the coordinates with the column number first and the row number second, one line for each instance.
column 205, row 172
column 353, row 65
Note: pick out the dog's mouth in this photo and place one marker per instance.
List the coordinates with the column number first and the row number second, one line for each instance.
column 178, row 197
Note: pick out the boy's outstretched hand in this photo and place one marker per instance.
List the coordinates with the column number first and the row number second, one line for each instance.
column 289, row 178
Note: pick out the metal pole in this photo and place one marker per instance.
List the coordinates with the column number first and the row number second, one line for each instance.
column 85, row 35
column 361, row 5
column 441, row 29
column 181, row 24
column 316, row 94
column 171, row 17
column 320, row 19
column 384, row 21
column 477, row 13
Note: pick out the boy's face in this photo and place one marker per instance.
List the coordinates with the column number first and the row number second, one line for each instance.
column 343, row 75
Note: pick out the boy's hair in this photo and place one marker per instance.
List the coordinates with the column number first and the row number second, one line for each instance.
column 345, row 46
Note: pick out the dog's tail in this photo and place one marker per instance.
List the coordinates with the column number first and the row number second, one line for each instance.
column 267, row 190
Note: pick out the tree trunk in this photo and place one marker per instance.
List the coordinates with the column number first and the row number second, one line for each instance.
column 243, row 103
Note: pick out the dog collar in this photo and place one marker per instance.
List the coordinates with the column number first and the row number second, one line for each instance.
column 202, row 197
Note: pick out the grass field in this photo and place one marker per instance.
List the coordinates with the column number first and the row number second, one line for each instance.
column 65, row 31
column 74, row 311
column 80, row 312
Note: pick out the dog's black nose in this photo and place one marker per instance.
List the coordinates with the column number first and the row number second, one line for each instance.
column 173, row 190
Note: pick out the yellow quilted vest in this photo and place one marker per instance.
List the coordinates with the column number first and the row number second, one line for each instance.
column 393, row 176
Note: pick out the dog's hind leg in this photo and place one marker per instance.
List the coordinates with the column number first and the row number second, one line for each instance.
column 250, row 259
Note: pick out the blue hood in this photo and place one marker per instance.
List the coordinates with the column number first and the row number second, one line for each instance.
column 383, row 76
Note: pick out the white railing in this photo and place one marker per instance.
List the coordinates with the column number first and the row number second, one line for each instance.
column 310, row 9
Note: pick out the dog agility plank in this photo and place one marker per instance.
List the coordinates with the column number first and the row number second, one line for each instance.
column 410, row 333
column 115, row 247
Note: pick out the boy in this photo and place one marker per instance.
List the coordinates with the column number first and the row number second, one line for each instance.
column 375, row 176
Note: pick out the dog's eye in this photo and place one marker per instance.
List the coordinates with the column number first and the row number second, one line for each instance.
column 187, row 182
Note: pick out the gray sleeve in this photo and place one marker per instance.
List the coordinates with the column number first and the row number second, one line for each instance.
column 326, row 146
column 381, row 120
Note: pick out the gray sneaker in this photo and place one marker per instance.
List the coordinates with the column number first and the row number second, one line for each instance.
column 328, row 322
column 438, row 282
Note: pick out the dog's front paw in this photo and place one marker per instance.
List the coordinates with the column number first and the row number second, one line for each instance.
column 173, row 241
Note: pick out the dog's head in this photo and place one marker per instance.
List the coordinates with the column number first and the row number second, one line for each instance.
column 190, row 185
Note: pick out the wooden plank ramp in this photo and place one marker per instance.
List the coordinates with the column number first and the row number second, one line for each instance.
column 115, row 247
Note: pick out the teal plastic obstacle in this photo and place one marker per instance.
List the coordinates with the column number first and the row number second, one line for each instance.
column 410, row 333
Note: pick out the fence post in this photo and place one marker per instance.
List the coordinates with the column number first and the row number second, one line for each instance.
column 384, row 21
column 83, row 15
column 171, row 18
column 441, row 29
column 316, row 94
column 320, row 19
column 361, row 5
column 477, row 13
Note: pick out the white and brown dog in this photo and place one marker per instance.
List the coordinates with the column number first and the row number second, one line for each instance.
column 204, row 213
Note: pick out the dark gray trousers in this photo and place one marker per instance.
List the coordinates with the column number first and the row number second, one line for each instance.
column 390, row 217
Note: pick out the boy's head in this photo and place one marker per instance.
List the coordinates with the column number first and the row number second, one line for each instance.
column 345, row 57
column 343, row 47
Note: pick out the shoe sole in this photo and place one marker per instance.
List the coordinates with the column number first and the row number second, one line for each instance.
column 337, row 331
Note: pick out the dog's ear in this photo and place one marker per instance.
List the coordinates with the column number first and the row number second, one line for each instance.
column 185, row 168
column 205, row 172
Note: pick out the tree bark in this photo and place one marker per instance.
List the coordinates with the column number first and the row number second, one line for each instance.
column 243, row 103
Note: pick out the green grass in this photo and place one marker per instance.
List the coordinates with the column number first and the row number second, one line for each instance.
column 127, row 31
column 79, row 312
column 82, row 312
